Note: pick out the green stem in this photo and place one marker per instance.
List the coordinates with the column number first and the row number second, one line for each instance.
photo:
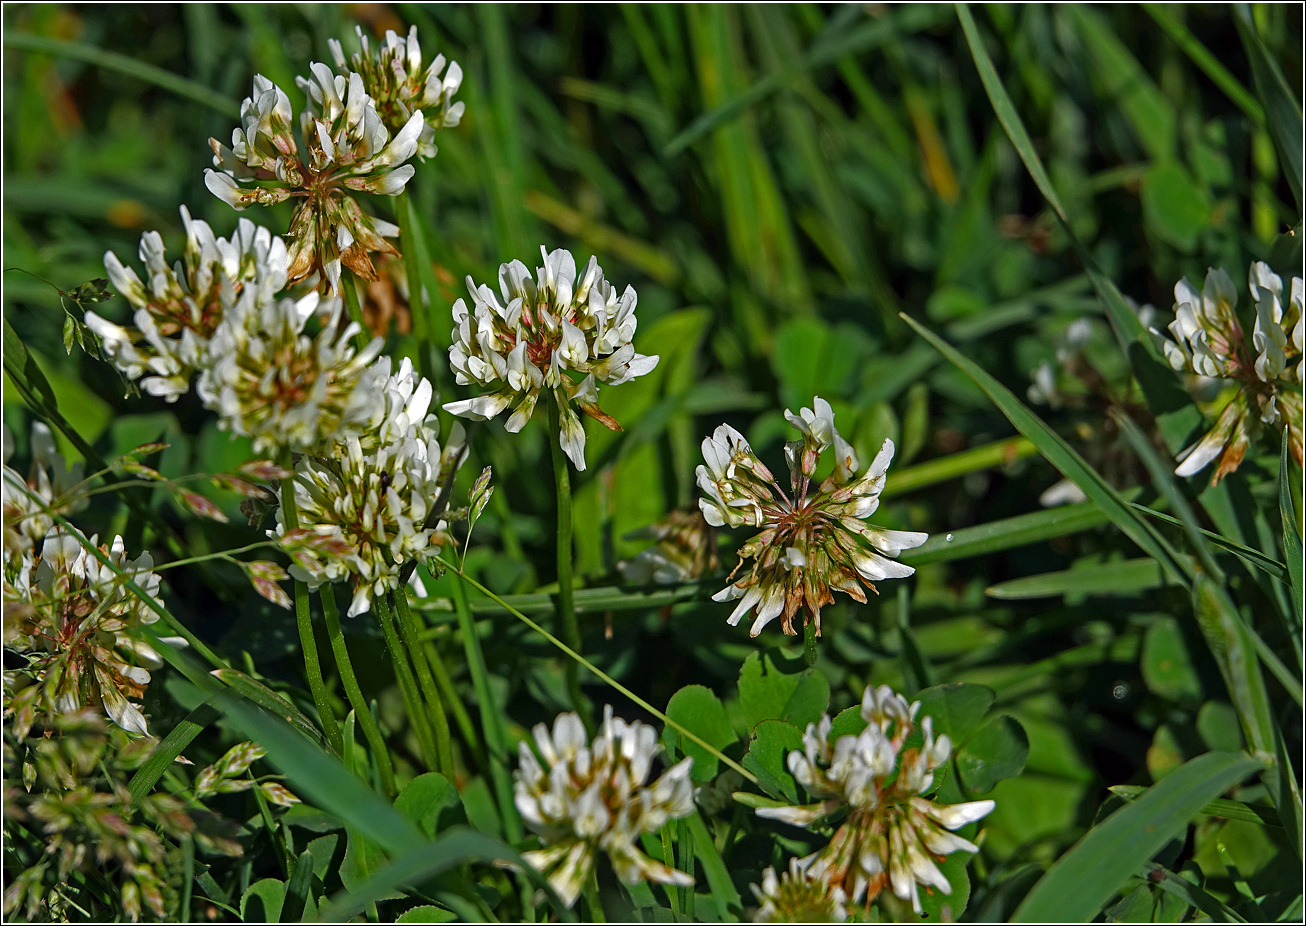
column 491, row 722
column 304, row 621
column 592, row 898
column 685, row 843
column 669, row 859
column 416, row 258
column 566, row 611
column 417, row 715
column 810, row 653
column 362, row 714
column 349, row 284
column 450, row 694
column 439, row 719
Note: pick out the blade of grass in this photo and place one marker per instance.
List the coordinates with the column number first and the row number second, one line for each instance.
column 181, row 736
column 984, row 539
column 1210, row 65
column 1282, row 111
column 112, row 61
column 1292, row 546
column 1061, row 455
column 1191, row 894
column 1220, row 807
column 999, row 453
column 1081, row 882
column 1247, row 554
column 1116, row 578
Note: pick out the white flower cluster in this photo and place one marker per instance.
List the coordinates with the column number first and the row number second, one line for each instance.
column 1208, row 339
column 892, row 833
column 546, row 327
column 797, row 897
column 270, row 380
column 399, row 86
column 76, row 624
column 51, row 485
column 363, row 512
column 809, row 545
column 178, row 307
column 346, row 149
column 685, row 550
column 585, row 798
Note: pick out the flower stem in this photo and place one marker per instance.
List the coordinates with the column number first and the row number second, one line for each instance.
column 349, row 285
column 567, row 622
column 450, row 695
column 491, row 721
column 417, row 715
column 810, row 653
column 439, row 719
column 362, row 713
column 592, row 898
column 304, row 621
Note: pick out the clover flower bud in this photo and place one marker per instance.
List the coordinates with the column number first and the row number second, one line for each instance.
column 685, row 550
column 796, row 897
column 583, row 798
column 51, row 486
column 1208, row 339
column 809, row 545
column 544, row 328
column 893, row 834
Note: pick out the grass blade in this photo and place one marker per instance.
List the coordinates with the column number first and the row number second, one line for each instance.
column 1292, row 547
column 1118, row 578
column 1283, row 112
column 1006, row 534
column 1220, row 807
column 1061, row 455
column 1252, row 557
column 1193, row 895
column 1196, row 51
column 181, row 736
column 1081, row 882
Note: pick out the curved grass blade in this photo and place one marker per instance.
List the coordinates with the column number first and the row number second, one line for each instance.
column 1061, row 455
column 1193, row 895
column 268, row 699
column 1210, row 65
column 1220, row 807
column 1235, row 654
column 1083, row 880
column 454, row 847
column 112, row 61
column 1283, row 113
column 181, row 736
column 1252, row 557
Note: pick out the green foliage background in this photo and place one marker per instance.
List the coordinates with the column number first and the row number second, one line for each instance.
column 778, row 183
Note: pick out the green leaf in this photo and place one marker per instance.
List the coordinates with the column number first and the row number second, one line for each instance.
column 1167, row 665
column 1136, row 907
column 1006, row 534
column 432, row 803
column 268, row 699
column 720, row 885
column 1292, row 545
column 773, row 687
column 1282, row 110
column 427, row 914
column 323, row 850
column 1266, row 564
column 262, row 901
column 1061, row 455
column 1115, row 578
column 1083, row 880
column 1193, row 895
column 298, row 898
column 181, row 736
column 939, row 907
column 998, row 750
column 698, row 709
column 1220, row 807
column 363, row 860
column 768, row 751
column 1175, row 207
column 1235, row 654
column 957, row 708
column 848, row 722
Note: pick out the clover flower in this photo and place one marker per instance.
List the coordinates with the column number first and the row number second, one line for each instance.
column 584, row 798
column 796, row 897
column 76, row 623
column 178, row 308
column 269, row 380
column 395, row 80
column 346, row 149
column 685, row 550
column 893, row 834
column 1208, row 339
column 50, row 486
column 364, row 511
column 544, row 329
column 809, row 546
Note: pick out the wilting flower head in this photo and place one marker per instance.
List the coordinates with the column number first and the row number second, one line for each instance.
column 809, row 546
column 363, row 511
column 1208, row 339
column 685, row 550
column 50, row 485
column 584, row 798
column 178, row 308
column 77, row 624
column 892, row 833
column 546, row 327
column 346, row 149
column 272, row 381
column 796, row 897
column 398, row 85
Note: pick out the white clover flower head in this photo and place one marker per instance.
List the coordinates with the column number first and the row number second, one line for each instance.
column 545, row 328
column 583, row 798
column 51, row 485
column 810, row 544
column 178, row 307
column 77, row 624
column 364, row 511
column 270, row 380
column 1208, row 339
column 394, row 77
column 346, row 149
column 796, row 897
column 685, row 550
column 893, row 833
